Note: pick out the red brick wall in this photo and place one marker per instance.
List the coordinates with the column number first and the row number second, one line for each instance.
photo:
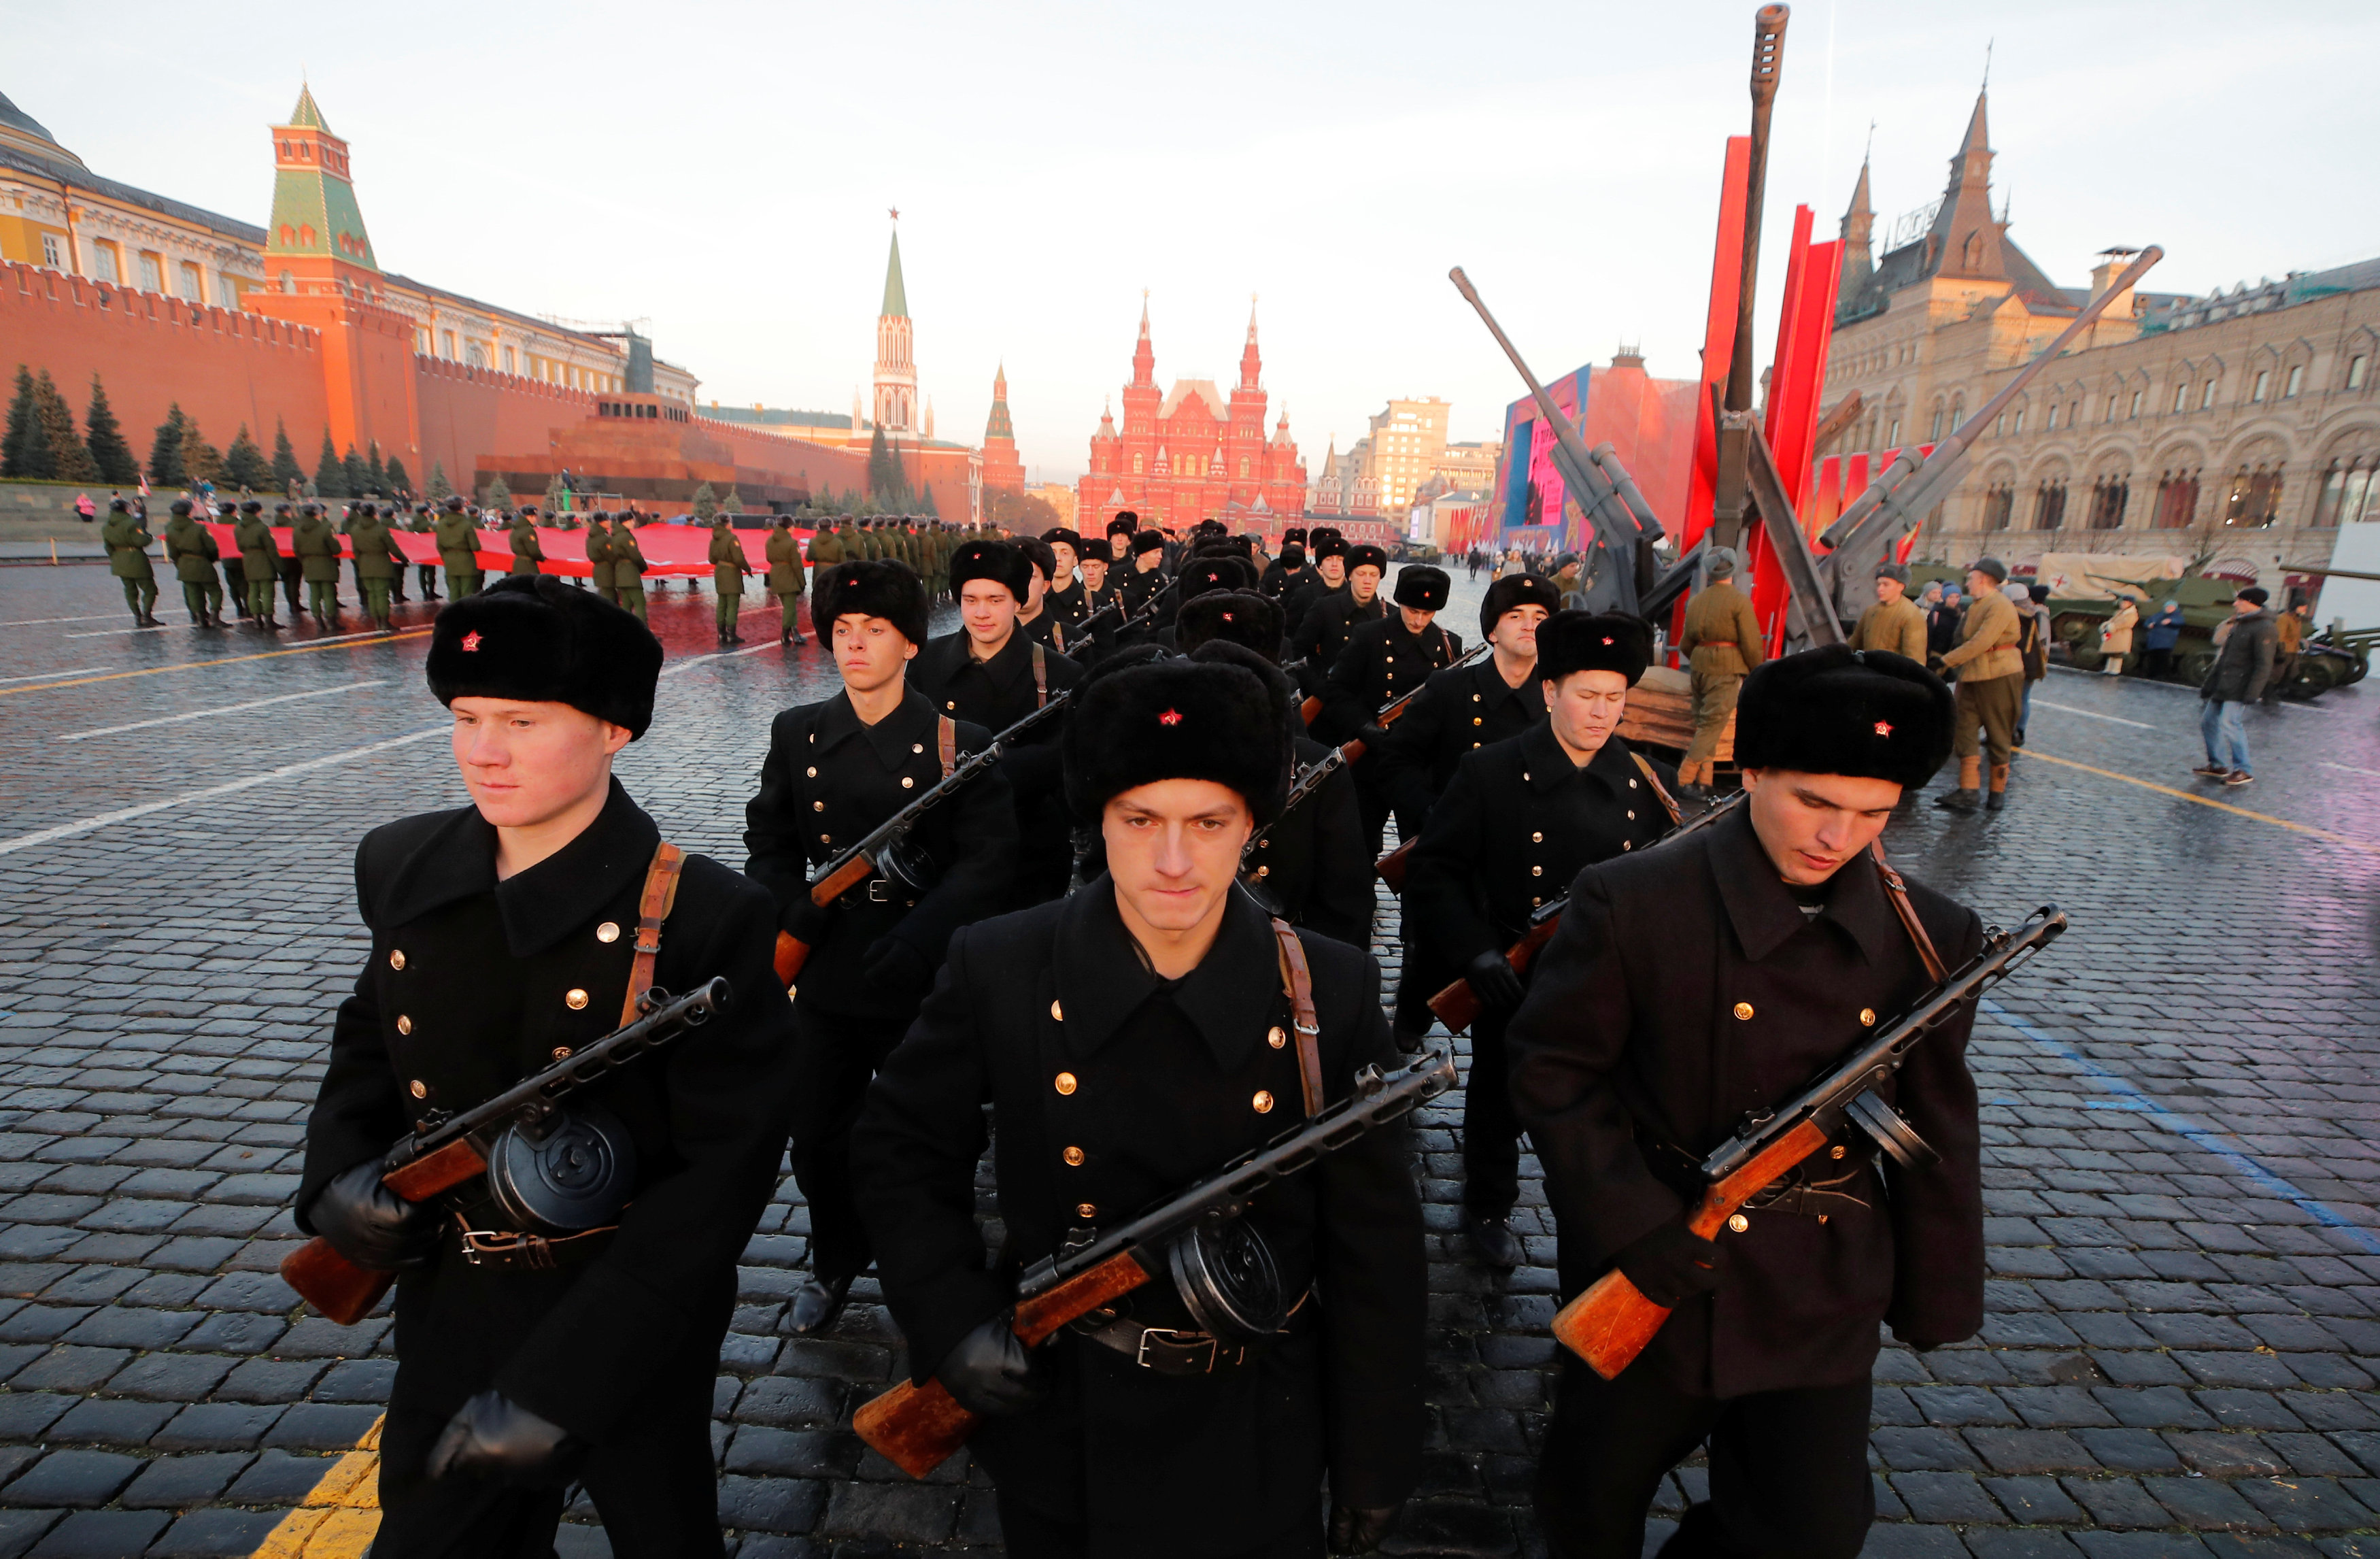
column 469, row 414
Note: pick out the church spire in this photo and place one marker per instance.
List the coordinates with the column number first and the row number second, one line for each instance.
column 1250, row 363
column 1858, row 230
column 998, row 425
column 896, row 292
column 1966, row 235
column 1144, row 356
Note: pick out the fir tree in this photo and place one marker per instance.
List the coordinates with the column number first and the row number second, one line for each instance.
column 165, row 468
column 244, row 464
column 330, row 475
column 706, row 502
column 440, row 487
column 375, row 472
column 201, row 461
column 400, row 481
column 733, row 503
column 24, row 444
column 69, row 461
column 500, row 494
column 103, row 436
column 926, row 504
column 888, row 484
column 354, row 473
column 286, row 468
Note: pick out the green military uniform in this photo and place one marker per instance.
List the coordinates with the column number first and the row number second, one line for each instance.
column 527, row 552
column 628, row 568
column 191, row 548
column 826, row 547
column 1723, row 642
column 786, row 577
column 317, row 546
column 599, row 555
column 728, row 566
column 379, row 563
column 458, row 550
column 425, row 574
column 286, row 565
column 259, row 560
column 1990, row 686
column 128, row 541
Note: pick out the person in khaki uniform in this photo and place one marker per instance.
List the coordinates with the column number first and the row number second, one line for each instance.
column 728, row 566
column 379, row 563
column 528, row 551
column 126, row 537
column 1990, row 675
column 599, row 555
column 1723, row 642
column 317, row 546
column 191, row 548
column 1894, row 623
column 629, row 566
column 458, row 550
column 785, row 578
column 425, row 574
column 2289, row 643
column 260, row 563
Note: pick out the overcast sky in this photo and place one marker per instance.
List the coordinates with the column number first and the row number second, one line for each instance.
column 724, row 170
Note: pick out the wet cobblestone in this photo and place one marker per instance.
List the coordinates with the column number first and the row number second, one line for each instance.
column 2181, row 1168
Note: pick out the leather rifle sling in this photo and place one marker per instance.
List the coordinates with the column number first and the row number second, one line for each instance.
column 1297, row 984
column 1668, row 802
column 946, row 744
column 1040, row 678
column 1897, row 891
column 652, row 908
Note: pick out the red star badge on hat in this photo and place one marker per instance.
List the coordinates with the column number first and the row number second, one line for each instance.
column 1171, row 717
column 1606, row 638
column 1884, row 727
column 471, row 641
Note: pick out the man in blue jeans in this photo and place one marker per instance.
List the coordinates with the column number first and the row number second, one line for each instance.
column 2242, row 668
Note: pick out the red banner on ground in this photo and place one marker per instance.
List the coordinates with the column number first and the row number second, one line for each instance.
column 672, row 551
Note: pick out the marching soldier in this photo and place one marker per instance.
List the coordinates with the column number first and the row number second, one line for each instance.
column 991, row 675
column 1035, row 620
column 528, row 553
column 126, row 539
column 599, row 555
column 458, row 549
column 785, row 582
column 835, row 772
column 378, row 564
column 502, row 934
column 627, row 565
column 1146, row 575
column 1460, row 710
column 234, row 566
column 1288, row 572
column 1326, row 574
column 1323, row 634
column 425, row 574
column 728, row 566
column 1687, row 986
column 1068, row 600
column 260, row 562
column 1723, row 642
column 1382, row 662
column 1148, row 997
column 1990, row 676
column 1894, row 623
column 316, row 546
column 284, row 515
column 1520, row 819
column 191, row 548
column 826, row 551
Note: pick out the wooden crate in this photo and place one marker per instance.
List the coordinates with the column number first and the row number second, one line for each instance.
column 1661, row 714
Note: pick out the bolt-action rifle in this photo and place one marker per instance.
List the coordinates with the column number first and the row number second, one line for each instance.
column 887, row 850
column 1612, row 1322
column 1458, row 1004
column 441, row 1154
column 917, row 1428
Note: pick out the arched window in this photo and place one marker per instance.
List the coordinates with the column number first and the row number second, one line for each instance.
column 2350, row 492
column 2177, row 501
column 1135, row 465
column 2110, row 496
column 2206, row 396
column 2049, row 506
column 1999, row 503
column 2181, row 395
column 2256, row 498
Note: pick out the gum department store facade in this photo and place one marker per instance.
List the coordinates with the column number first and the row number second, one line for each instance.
column 2241, row 426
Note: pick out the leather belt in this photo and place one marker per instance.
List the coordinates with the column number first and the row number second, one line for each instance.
column 512, row 1250
column 1165, row 1350
column 881, row 890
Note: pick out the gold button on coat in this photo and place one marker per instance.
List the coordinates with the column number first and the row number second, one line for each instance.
column 1536, row 871
column 916, row 747
column 1739, row 1223
column 574, row 999
column 562, row 1053
column 1838, row 1152
column 1057, row 1012
column 1066, row 1083
column 1263, row 1101
column 1744, row 1010
column 404, row 1024
column 607, row 932
column 1085, row 1209
column 1867, row 1018
column 1475, row 721
column 1276, row 1037
column 908, row 784
column 813, row 771
column 1073, row 1156
column 1536, row 838
column 818, row 806
column 397, row 957
column 419, row 1090
column 1263, row 871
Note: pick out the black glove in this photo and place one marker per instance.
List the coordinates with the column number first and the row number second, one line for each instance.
column 370, row 1225
column 1494, row 979
column 1672, row 1264
column 494, row 1437
column 895, row 968
column 991, row 1372
column 1360, row 1531
column 1373, row 737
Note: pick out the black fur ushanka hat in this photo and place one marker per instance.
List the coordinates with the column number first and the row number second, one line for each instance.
column 535, row 639
column 1175, row 719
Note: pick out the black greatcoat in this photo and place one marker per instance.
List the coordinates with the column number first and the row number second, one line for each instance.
column 1684, row 988
column 1070, row 600
column 1460, row 708
column 1315, row 864
column 1167, row 1080
column 996, row 694
column 1279, row 579
column 827, row 781
column 468, row 989
column 1321, row 636
column 1380, row 664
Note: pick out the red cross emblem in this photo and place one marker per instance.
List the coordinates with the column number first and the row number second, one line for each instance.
column 1884, row 727
column 471, row 641
column 1171, row 717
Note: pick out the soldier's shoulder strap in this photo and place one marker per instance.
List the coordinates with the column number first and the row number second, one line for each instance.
column 946, row 743
column 1897, row 891
column 1297, row 984
column 1040, row 676
column 653, row 908
column 1668, row 802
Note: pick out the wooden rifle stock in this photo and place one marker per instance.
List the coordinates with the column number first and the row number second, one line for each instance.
column 1612, row 1322
column 345, row 1293
column 918, row 1428
column 792, row 952
column 1393, row 866
column 1309, row 708
column 1458, row 1005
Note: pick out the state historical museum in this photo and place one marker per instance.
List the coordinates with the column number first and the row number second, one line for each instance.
column 1190, row 453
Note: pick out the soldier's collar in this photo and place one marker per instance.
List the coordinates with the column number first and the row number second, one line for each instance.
column 550, row 901
column 1549, row 766
column 1765, row 914
column 1102, row 980
column 889, row 738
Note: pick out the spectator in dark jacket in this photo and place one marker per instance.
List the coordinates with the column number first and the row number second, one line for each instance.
column 2243, row 667
column 2158, row 635
column 1942, row 624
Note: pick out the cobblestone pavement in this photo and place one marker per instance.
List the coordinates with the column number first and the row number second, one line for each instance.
column 2185, row 1303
